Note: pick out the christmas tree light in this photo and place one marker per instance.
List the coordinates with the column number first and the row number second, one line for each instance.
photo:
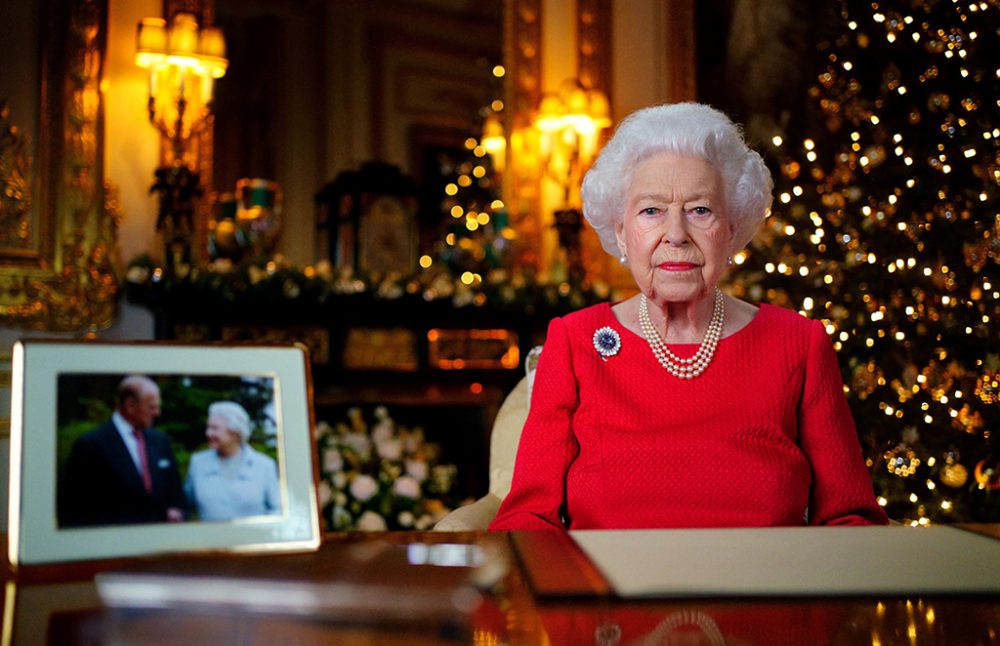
column 886, row 227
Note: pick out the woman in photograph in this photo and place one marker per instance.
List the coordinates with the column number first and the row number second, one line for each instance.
column 683, row 406
column 231, row 479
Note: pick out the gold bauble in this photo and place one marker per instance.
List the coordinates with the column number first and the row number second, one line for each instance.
column 226, row 238
column 954, row 475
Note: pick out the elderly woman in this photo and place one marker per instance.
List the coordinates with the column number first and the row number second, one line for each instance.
column 683, row 406
column 231, row 479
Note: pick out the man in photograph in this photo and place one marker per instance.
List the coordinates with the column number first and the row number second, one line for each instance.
column 124, row 471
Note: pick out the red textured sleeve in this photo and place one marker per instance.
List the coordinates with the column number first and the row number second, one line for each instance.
column 842, row 487
column 547, row 445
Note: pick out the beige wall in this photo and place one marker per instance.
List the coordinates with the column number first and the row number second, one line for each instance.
column 638, row 62
column 131, row 144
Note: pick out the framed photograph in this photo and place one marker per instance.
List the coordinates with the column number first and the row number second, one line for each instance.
column 130, row 449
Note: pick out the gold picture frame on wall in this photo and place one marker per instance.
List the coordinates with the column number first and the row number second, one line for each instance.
column 58, row 218
column 388, row 234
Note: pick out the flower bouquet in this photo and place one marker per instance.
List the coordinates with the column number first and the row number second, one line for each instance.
column 382, row 476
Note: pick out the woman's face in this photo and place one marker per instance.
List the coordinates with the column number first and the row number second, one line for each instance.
column 220, row 438
column 675, row 231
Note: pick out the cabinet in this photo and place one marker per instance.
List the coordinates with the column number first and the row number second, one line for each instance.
column 433, row 363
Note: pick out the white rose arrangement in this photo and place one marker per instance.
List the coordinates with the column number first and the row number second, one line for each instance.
column 381, row 477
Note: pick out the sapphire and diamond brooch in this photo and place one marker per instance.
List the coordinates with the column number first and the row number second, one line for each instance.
column 607, row 342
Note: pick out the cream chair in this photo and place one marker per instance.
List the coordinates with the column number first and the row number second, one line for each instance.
column 504, row 438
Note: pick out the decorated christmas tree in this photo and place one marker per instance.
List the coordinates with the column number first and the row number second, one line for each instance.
column 468, row 228
column 476, row 236
column 886, row 227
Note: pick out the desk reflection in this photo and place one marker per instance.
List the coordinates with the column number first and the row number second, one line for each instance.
column 822, row 622
column 52, row 611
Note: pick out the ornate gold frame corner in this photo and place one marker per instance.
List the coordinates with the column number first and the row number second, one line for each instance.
column 58, row 217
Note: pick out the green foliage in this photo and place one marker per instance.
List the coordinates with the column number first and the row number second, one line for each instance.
column 66, row 435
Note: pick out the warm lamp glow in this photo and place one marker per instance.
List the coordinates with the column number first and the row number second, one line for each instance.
column 183, row 62
column 212, row 45
column 151, row 42
column 600, row 110
column 495, row 141
column 569, row 124
column 550, row 114
column 182, row 39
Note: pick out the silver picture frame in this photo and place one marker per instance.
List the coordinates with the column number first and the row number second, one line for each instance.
column 38, row 534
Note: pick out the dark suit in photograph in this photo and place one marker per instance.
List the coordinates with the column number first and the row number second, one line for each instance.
column 100, row 484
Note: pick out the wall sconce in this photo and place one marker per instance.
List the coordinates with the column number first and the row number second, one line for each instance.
column 494, row 140
column 569, row 124
column 183, row 62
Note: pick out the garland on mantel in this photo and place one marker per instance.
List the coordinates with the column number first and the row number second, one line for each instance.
column 278, row 281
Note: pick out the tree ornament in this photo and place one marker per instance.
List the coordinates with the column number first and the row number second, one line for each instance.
column 865, row 378
column 901, row 460
column 953, row 473
column 975, row 255
column 988, row 474
column 988, row 388
column 938, row 101
column 934, row 45
column 968, row 420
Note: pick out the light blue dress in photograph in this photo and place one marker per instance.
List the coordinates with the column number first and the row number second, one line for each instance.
column 218, row 489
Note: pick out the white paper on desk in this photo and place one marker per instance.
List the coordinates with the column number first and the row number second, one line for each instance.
column 813, row 561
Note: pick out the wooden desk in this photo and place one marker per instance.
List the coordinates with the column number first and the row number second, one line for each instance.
column 46, row 608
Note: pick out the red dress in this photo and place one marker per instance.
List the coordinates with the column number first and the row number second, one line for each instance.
column 763, row 437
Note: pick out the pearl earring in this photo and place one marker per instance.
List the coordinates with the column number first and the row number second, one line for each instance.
column 623, row 260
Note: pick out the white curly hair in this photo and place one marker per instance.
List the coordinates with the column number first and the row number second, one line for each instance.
column 236, row 417
column 682, row 128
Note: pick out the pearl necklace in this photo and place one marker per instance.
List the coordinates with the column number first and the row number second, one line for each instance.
column 694, row 365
